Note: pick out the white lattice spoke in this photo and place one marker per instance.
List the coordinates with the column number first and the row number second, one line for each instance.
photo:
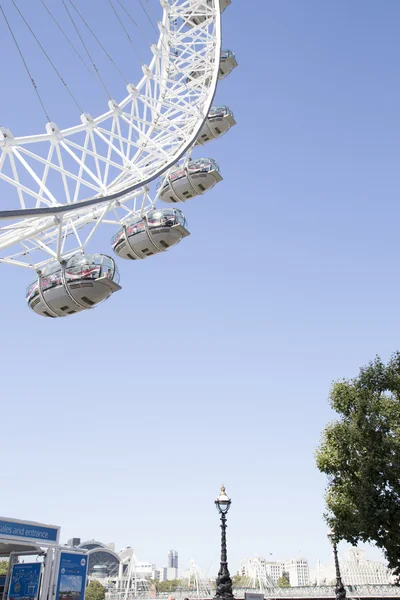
column 101, row 165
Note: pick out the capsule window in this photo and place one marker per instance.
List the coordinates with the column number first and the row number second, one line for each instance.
column 64, row 308
column 130, row 256
column 172, row 199
column 88, row 301
column 164, row 244
column 201, row 186
column 48, row 314
column 217, row 129
column 71, row 312
column 145, row 250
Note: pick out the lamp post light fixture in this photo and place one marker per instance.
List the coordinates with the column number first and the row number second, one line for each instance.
column 340, row 590
column 224, row 581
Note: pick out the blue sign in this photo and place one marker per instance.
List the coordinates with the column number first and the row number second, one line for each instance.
column 28, row 531
column 24, row 583
column 71, row 583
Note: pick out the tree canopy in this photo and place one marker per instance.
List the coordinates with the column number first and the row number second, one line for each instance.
column 95, row 591
column 239, row 581
column 360, row 454
column 3, row 567
column 283, row 581
column 168, row 586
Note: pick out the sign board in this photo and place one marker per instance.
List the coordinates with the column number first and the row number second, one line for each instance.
column 72, row 573
column 253, row 596
column 24, row 584
column 2, row 584
column 29, row 531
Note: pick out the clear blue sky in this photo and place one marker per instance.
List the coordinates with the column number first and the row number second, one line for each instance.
column 215, row 361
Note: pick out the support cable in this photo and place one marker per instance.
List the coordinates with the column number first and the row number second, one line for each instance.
column 152, row 24
column 126, row 32
column 148, row 16
column 131, row 18
column 151, row 9
column 48, row 57
column 25, row 65
column 136, row 25
column 98, row 41
column 68, row 40
column 87, row 51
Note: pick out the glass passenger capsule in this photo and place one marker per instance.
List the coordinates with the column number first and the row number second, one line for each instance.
column 183, row 183
column 83, row 281
column 200, row 14
column 227, row 63
column 155, row 232
column 219, row 120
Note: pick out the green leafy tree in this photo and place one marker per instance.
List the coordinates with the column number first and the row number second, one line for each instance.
column 168, row 586
column 283, row 581
column 238, row 581
column 95, row 591
column 3, row 567
column 360, row 454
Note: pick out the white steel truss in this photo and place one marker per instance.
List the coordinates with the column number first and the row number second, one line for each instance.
column 65, row 183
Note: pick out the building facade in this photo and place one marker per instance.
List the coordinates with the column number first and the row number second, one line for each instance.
column 258, row 568
column 355, row 570
column 172, row 559
column 298, row 572
column 172, row 568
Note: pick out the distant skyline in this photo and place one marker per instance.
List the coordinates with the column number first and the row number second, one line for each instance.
column 214, row 363
column 371, row 553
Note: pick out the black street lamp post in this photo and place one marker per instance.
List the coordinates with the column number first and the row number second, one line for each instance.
column 340, row 590
column 224, row 581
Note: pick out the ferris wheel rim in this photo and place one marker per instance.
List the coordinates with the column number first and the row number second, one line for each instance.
column 98, row 201
column 82, row 205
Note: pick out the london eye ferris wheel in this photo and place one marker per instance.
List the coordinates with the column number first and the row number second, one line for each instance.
column 62, row 185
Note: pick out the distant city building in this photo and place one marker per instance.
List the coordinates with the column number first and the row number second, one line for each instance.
column 172, row 573
column 100, row 555
column 162, row 574
column 104, row 563
column 298, row 571
column 274, row 570
column 256, row 566
column 259, row 568
column 145, row 569
column 172, row 568
column 172, row 559
column 99, row 572
column 355, row 570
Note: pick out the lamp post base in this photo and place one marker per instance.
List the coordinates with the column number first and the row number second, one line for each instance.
column 340, row 591
column 224, row 584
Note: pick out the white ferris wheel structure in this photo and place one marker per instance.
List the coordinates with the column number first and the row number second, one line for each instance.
column 62, row 185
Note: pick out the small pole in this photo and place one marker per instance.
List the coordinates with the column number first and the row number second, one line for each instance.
column 340, row 590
